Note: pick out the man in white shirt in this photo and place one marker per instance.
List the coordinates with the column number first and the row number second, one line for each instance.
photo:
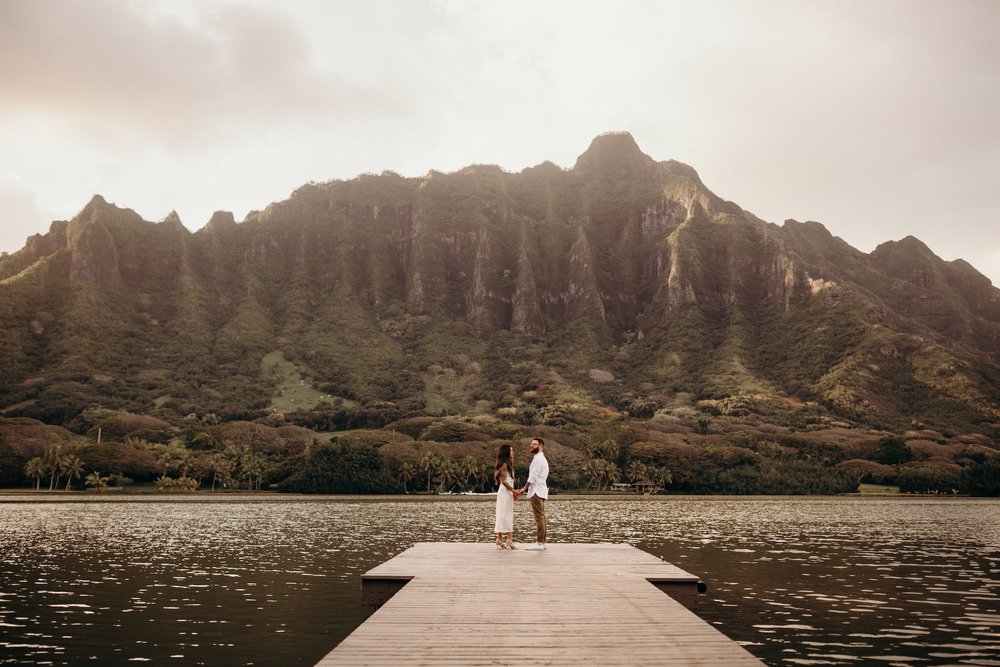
column 537, row 491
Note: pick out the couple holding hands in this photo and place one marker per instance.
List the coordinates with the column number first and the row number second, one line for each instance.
column 535, row 489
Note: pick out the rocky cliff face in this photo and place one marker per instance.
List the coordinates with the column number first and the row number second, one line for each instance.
column 622, row 263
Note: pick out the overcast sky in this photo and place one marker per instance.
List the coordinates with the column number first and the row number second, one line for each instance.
column 878, row 118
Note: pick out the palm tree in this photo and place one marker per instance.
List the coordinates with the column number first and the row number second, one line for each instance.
column 604, row 469
column 51, row 459
column 612, row 473
column 469, row 469
column 662, row 475
column 255, row 467
column 245, row 468
column 407, row 471
column 609, row 450
column 448, row 474
column 165, row 456
column 603, row 473
column 430, row 464
column 35, row 469
column 71, row 466
column 594, row 471
column 96, row 481
column 182, row 459
column 222, row 468
column 637, row 471
column 483, row 476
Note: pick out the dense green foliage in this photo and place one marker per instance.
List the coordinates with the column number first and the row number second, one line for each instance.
column 618, row 307
column 927, row 478
column 666, row 455
column 339, row 468
column 982, row 479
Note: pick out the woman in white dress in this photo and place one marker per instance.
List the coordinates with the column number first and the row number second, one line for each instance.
column 504, row 477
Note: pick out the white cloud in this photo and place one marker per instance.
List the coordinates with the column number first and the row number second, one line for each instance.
column 20, row 213
column 877, row 119
column 113, row 69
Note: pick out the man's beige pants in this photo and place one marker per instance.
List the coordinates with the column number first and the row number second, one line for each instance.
column 538, row 509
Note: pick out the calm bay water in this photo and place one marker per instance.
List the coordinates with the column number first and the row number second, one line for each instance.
column 798, row 581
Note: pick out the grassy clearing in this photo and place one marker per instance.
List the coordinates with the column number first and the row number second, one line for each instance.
column 436, row 402
column 292, row 391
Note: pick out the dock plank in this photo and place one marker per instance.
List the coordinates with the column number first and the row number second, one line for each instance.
column 470, row 604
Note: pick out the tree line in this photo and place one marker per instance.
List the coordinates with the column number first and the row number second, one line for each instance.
column 252, row 458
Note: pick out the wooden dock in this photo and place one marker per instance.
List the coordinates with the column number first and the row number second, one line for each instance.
column 470, row 604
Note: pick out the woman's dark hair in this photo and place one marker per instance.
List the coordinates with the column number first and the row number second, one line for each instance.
column 503, row 460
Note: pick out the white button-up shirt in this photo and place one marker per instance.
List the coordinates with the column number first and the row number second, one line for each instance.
column 538, row 472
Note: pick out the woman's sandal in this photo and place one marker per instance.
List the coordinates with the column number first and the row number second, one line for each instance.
column 509, row 545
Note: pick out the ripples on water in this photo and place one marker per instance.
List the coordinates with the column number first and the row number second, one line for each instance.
column 798, row 581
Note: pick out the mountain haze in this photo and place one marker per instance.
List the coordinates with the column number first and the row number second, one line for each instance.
column 621, row 284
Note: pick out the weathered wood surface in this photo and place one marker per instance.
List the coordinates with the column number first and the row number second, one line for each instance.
column 469, row 604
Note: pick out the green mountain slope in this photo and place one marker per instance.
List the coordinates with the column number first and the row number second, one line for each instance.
column 620, row 284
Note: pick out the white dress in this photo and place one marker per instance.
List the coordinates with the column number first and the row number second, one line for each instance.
column 505, row 508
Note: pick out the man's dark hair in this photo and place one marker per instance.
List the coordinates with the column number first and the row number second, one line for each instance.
column 540, row 441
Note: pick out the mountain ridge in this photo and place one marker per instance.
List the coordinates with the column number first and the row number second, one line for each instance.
column 621, row 263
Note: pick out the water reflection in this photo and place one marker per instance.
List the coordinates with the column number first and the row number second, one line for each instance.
column 797, row 581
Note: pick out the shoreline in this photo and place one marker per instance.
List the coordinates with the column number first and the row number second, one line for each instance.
column 52, row 497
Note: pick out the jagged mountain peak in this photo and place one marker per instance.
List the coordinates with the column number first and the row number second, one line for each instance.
column 546, row 167
column 220, row 219
column 908, row 258
column 967, row 269
column 94, row 210
column 813, row 239
column 482, row 170
column 97, row 201
column 612, row 151
column 907, row 244
column 99, row 209
column 172, row 219
column 809, row 225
